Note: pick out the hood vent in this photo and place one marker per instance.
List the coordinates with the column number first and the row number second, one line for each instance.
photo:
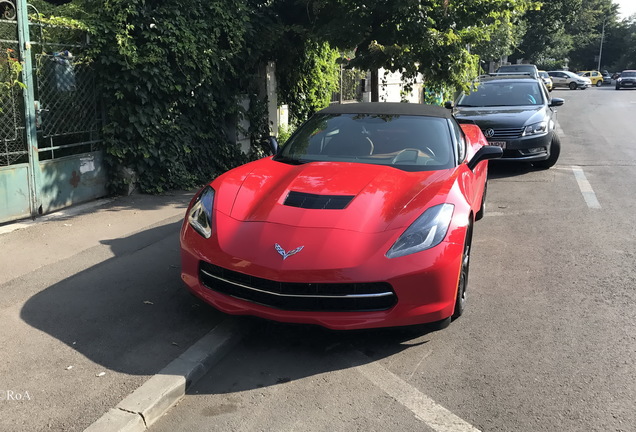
column 323, row 202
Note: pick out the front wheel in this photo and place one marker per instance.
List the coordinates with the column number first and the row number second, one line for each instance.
column 572, row 85
column 555, row 151
column 460, row 300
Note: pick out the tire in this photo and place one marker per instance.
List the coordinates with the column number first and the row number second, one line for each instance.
column 555, row 151
column 618, row 87
column 572, row 85
column 482, row 209
column 599, row 83
column 460, row 298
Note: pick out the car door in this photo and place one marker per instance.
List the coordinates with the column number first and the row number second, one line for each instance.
column 559, row 79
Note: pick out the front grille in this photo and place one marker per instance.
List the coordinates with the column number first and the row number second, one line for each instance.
column 504, row 133
column 312, row 201
column 317, row 297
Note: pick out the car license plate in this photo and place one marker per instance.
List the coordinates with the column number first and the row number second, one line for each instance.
column 501, row 144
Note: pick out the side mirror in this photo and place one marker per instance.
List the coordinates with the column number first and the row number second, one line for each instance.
column 485, row 153
column 273, row 145
column 448, row 105
column 556, row 102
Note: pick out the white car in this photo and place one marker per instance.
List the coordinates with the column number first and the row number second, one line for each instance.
column 569, row 79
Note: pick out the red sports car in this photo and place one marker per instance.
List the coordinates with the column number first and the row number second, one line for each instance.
column 364, row 218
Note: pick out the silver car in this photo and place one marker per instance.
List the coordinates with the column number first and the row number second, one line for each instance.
column 569, row 79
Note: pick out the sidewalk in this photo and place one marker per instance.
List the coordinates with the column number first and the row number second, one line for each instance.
column 91, row 305
column 66, row 233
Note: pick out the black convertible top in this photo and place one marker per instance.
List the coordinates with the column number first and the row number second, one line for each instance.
column 390, row 108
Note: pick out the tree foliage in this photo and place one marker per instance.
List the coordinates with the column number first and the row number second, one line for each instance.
column 569, row 32
column 308, row 79
column 429, row 37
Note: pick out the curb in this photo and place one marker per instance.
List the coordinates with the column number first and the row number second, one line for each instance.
column 144, row 406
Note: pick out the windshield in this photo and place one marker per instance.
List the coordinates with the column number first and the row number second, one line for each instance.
column 503, row 93
column 628, row 74
column 410, row 143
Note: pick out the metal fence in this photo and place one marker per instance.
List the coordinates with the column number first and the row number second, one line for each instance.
column 68, row 118
column 50, row 122
column 13, row 148
column 352, row 86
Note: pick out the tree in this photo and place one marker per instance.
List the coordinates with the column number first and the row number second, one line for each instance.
column 619, row 52
column 546, row 36
column 586, row 28
column 429, row 37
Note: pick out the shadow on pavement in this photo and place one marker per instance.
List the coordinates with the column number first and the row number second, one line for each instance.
column 139, row 201
column 130, row 313
column 498, row 169
column 274, row 353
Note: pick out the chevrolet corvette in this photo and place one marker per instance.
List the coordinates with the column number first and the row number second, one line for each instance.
column 363, row 218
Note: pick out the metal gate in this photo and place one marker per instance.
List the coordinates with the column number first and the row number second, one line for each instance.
column 50, row 153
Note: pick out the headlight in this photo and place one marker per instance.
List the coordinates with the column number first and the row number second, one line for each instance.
column 200, row 215
column 536, row 128
column 427, row 231
column 619, row 79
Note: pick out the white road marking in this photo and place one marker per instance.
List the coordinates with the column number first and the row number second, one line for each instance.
column 425, row 409
column 586, row 188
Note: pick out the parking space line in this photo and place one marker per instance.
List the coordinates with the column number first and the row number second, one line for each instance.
column 586, row 188
column 425, row 409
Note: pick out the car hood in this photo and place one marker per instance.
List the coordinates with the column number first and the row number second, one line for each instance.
column 377, row 198
column 501, row 117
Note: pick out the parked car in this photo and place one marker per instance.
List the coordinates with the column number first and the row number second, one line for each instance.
column 569, row 79
column 595, row 77
column 546, row 80
column 360, row 209
column 607, row 78
column 521, row 69
column 627, row 79
column 516, row 114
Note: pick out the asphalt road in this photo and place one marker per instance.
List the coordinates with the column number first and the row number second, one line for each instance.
column 548, row 341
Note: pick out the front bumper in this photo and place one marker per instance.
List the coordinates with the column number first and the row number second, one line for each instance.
column 424, row 284
column 626, row 83
column 528, row 149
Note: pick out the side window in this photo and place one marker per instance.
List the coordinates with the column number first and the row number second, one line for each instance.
column 459, row 141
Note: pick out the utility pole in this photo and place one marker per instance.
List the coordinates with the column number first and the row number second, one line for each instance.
column 600, row 51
